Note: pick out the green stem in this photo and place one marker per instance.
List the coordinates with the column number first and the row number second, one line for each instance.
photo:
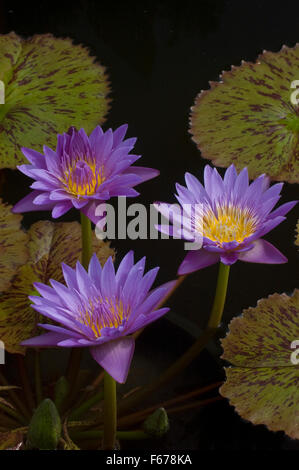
column 94, row 434
column 78, row 412
column 38, row 381
column 110, row 412
column 193, row 351
column 86, row 240
column 76, row 353
column 220, row 296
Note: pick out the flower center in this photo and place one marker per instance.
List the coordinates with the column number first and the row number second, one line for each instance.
column 82, row 177
column 101, row 313
column 230, row 224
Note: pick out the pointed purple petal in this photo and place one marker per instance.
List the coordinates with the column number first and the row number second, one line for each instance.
column 65, row 294
column 61, row 208
column 145, row 174
column 47, row 292
column 185, row 195
column 263, row 252
column 83, row 280
column 208, row 180
column 43, row 186
column 241, row 183
column 230, row 178
column 196, row 260
column 152, row 301
column 94, row 270
column 254, row 191
column 37, row 159
column 144, row 320
column 115, row 357
column 123, row 269
column 69, row 275
column 272, row 192
column 27, row 205
column 146, row 283
column 52, row 160
column 195, row 186
column 95, row 137
column 283, row 209
column 132, row 281
column 43, row 199
column 59, row 195
column 44, row 341
column 119, row 134
column 58, row 329
column 108, row 284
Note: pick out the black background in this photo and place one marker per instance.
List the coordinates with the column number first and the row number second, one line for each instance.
column 159, row 56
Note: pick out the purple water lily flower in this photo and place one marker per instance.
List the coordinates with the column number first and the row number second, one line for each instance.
column 82, row 173
column 100, row 309
column 233, row 215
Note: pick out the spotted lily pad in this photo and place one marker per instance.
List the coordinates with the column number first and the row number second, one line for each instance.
column 13, row 251
column 49, row 245
column 263, row 384
column 251, row 117
column 50, row 85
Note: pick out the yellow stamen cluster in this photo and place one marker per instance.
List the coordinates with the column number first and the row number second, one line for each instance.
column 231, row 223
column 88, row 187
column 100, row 313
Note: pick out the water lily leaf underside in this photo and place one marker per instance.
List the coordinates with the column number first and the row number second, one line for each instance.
column 50, row 85
column 248, row 118
column 263, row 383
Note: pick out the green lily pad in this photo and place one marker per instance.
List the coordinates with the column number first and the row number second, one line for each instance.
column 50, row 85
column 248, row 117
column 13, row 251
column 263, row 384
column 297, row 234
column 49, row 245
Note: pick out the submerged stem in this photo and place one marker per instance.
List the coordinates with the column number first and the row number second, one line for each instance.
column 86, row 240
column 110, row 412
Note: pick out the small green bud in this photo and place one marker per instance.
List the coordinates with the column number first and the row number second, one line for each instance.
column 45, row 427
column 157, row 424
